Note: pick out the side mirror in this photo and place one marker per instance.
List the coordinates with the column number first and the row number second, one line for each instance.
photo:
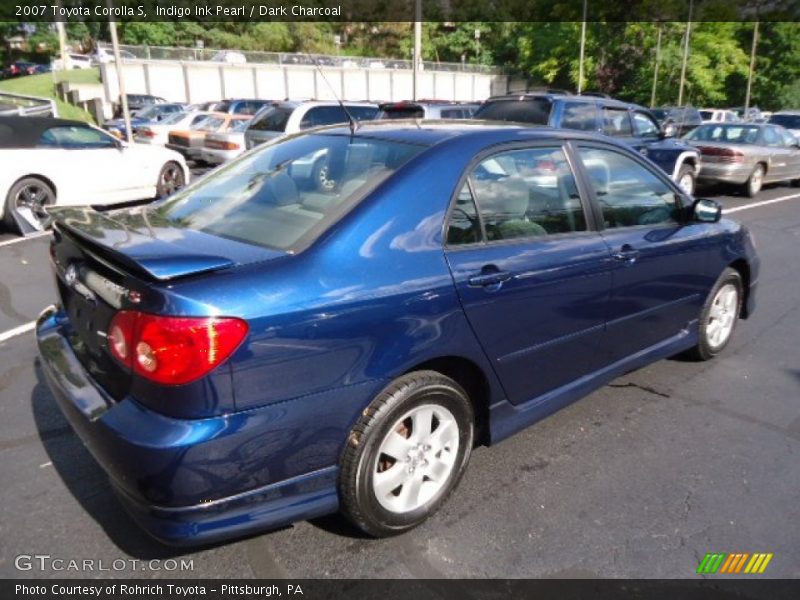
column 707, row 211
column 669, row 130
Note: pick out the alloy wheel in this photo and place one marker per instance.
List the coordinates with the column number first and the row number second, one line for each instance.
column 722, row 315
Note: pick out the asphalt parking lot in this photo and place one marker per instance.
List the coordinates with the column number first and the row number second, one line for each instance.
column 640, row 479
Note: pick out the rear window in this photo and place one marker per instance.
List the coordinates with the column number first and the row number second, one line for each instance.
column 276, row 197
column 788, row 121
column 272, row 119
column 527, row 110
column 402, row 111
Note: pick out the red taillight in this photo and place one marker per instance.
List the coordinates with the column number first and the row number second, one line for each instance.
column 723, row 154
column 148, row 133
column 173, row 350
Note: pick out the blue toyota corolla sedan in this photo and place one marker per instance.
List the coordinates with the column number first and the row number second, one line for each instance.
column 259, row 349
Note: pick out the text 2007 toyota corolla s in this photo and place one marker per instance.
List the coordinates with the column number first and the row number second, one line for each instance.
column 259, row 348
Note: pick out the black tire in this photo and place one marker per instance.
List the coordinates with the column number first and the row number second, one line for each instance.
column 687, row 171
column 705, row 349
column 755, row 182
column 170, row 179
column 40, row 195
column 362, row 458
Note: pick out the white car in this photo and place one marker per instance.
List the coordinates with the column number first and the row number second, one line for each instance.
column 157, row 134
column 55, row 161
column 716, row 115
column 229, row 56
column 74, row 61
column 106, row 55
column 220, row 147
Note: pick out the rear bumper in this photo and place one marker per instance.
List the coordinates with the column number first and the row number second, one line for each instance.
column 215, row 156
column 725, row 173
column 177, row 477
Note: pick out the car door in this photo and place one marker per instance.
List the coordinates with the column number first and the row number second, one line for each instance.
column 659, row 275
column 532, row 275
column 92, row 163
column 792, row 144
column 780, row 156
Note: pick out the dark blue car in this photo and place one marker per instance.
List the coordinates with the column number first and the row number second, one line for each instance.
column 258, row 349
column 628, row 123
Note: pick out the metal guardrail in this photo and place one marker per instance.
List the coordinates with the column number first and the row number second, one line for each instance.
column 288, row 59
column 27, row 106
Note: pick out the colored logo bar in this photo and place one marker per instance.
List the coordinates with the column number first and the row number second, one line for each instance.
column 732, row 563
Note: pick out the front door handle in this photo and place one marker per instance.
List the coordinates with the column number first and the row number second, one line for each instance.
column 627, row 254
column 490, row 278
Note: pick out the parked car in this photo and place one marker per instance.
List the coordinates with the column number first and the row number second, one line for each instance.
column 73, row 61
column 282, row 118
column 272, row 352
column 50, row 161
column 241, row 106
column 21, row 67
column 629, row 123
column 753, row 114
column 148, row 115
column 789, row 119
column 189, row 142
column 426, row 109
column 106, row 55
column 157, row 133
column 137, row 102
column 716, row 115
column 747, row 154
column 682, row 118
column 224, row 146
column 229, row 56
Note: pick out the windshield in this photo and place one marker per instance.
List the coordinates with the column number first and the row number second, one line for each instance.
column 788, row 121
column 528, row 110
column 173, row 118
column 277, row 197
column 738, row 134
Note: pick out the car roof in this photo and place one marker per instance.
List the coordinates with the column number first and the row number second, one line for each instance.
column 435, row 131
column 793, row 113
column 25, row 132
column 311, row 103
column 567, row 98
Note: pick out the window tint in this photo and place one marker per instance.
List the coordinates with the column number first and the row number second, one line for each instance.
column 323, row 115
column 644, row 126
column 454, row 113
column 464, row 226
column 271, row 198
column 772, row 137
column 273, row 119
column 525, row 193
column 579, row 115
column 629, row 193
column 402, row 111
column 76, row 137
column 705, row 114
column 527, row 110
column 788, row 121
column 616, row 122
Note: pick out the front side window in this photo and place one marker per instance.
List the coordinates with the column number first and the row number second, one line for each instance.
column 616, row 122
column 579, row 115
column 644, row 126
column 76, row 138
column 628, row 193
column 271, row 198
column 520, row 194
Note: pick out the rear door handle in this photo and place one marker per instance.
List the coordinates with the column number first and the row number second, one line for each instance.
column 487, row 279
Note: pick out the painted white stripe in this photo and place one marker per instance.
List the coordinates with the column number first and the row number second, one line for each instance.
column 33, row 236
column 728, row 211
column 11, row 333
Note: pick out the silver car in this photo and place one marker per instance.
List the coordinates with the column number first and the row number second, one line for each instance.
column 746, row 154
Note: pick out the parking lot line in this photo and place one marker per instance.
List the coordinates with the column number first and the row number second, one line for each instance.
column 11, row 333
column 22, row 239
column 727, row 211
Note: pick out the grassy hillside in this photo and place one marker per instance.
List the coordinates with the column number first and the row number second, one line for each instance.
column 44, row 85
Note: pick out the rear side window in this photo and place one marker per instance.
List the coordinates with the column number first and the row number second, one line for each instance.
column 527, row 110
column 519, row 194
column 273, row 119
column 629, row 193
column 272, row 197
column 616, row 122
column 579, row 115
